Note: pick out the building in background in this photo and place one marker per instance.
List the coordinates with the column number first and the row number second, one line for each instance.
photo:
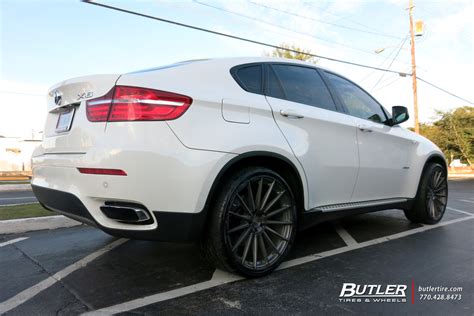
column 15, row 154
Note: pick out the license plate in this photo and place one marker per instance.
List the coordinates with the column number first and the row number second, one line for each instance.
column 65, row 120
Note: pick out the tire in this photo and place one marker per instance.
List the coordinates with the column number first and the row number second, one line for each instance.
column 252, row 223
column 432, row 196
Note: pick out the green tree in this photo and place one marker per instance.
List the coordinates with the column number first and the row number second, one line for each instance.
column 453, row 132
column 283, row 53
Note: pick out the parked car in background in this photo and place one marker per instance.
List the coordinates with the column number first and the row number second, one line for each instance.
column 239, row 153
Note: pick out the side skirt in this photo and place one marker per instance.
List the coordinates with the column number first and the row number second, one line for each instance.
column 332, row 212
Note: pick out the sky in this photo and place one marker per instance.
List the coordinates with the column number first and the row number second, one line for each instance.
column 43, row 42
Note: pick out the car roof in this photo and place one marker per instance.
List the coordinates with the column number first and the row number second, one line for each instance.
column 233, row 61
column 247, row 60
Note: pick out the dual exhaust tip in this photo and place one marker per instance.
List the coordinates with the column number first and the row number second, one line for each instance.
column 127, row 213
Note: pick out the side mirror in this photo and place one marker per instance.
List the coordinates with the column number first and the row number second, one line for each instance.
column 399, row 115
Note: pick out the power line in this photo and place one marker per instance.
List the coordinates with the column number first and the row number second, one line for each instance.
column 380, row 65
column 444, row 90
column 321, row 21
column 391, row 63
column 341, row 17
column 403, row 74
column 388, row 81
column 240, row 38
column 281, row 27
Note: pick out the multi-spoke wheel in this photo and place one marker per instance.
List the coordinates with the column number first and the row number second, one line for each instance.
column 432, row 197
column 254, row 222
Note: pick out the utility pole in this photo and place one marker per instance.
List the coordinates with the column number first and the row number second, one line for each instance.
column 413, row 68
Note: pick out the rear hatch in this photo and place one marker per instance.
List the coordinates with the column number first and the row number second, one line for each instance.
column 67, row 128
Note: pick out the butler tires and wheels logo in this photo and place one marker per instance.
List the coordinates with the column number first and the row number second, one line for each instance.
column 373, row 293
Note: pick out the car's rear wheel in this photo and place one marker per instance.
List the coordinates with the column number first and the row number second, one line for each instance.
column 430, row 203
column 253, row 223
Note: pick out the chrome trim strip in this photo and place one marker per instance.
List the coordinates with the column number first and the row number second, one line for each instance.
column 144, row 101
column 99, row 102
column 351, row 205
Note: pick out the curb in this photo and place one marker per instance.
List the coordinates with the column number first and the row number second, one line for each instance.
column 23, row 225
column 461, row 176
column 15, row 187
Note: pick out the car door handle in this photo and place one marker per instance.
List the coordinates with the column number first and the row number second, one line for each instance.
column 364, row 128
column 291, row 114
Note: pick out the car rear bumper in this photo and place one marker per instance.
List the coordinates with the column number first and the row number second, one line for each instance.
column 171, row 226
column 161, row 176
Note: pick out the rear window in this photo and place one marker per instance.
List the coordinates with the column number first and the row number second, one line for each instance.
column 249, row 78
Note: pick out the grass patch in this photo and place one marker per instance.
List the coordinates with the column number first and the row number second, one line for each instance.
column 23, row 211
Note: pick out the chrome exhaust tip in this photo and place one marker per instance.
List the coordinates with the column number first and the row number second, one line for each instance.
column 127, row 213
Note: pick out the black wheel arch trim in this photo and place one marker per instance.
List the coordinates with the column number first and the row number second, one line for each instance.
column 251, row 154
column 436, row 156
column 431, row 158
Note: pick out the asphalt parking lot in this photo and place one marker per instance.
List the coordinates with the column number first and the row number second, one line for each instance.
column 80, row 270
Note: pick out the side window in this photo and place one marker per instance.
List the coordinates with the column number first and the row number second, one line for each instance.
column 250, row 78
column 303, row 85
column 356, row 100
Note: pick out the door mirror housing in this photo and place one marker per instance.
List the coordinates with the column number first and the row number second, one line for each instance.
column 399, row 115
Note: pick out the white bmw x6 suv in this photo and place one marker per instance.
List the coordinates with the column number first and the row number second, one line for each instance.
column 239, row 153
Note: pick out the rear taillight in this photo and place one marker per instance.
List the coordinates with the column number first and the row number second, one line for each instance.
column 98, row 109
column 137, row 104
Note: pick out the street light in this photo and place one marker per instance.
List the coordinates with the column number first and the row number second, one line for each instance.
column 382, row 49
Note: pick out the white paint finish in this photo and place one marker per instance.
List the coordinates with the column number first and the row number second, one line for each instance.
column 467, row 201
column 344, row 234
column 220, row 277
column 83, row 134
column 158, row 169
column 384, row 156
column 459, row 211
column 29, row 293
column 22, row 225
column 165, row 161
column 325, row 143
column 6, row 243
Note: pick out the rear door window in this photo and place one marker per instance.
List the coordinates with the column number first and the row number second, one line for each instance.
column 303, row 85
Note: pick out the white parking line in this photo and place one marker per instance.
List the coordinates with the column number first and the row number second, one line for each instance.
column 220, row 278
column 29, row 293
column 459, row 211
column 344, row 234
column 12, row 241
column 467, row 201
column 298, row 261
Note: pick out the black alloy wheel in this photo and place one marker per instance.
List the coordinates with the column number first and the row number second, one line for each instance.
column 257, row 222
column 432, row 197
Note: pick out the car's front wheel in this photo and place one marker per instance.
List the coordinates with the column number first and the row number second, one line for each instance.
column 430, row 202
column 253, row 223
